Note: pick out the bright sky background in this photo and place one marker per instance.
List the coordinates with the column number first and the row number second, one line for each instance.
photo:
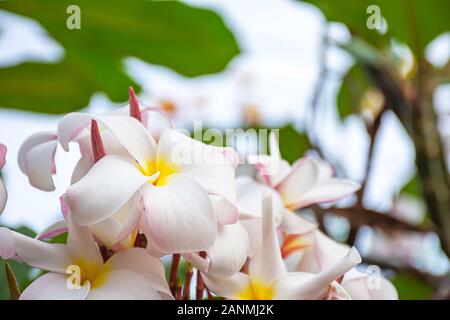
column 277, row 71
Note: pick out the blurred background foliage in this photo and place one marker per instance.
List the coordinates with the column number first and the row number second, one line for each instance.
column 194, row 41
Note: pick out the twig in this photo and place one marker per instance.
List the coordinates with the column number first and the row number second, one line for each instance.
column 187, row 281
column 174, row 273
column 200, row 285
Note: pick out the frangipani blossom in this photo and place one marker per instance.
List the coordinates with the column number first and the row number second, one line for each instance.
column 324, row 252
column 267, row 277
column 129, row 274
column 308, row 181
column 3, row 193
column 174, row 178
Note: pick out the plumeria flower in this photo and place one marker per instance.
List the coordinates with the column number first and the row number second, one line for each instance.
column 174, row 178
column 267, row 277
column 325, row 252
column 77, row 270
column 306, row 182
column 3, row 193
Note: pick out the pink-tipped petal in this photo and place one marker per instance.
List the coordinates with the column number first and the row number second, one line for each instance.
column 55, row 229
column 39, row 254
column 37, row 159
column 294, row 224
column 53, row 286
column 3, row 196
column 226, row 213
column 3, row 151
column 267, row 263
column 135, row 110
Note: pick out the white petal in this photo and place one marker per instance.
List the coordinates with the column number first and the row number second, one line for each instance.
column 3, row 196
column 121, row 224
column 230, row 250
column 226, row 213
column 53, row 230
column 3, row 151
column 122, row 285
column 227, row 287
column 37, row 159
column 327, row 191
column 82, row 167
column 130, row 133
column 250, row 194
column 253, row 228
column 110, row 183
column 302, row 178
column 267, row 263
column 53, row 286
column 294, row 224
column 361, row 286
column 39, row 254
column 208, row 165
column 180, row 216
column 139, row 261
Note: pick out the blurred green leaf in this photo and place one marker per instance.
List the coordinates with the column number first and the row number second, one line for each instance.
column 411, row 288
column 412, row 187
column 21, row 270
column 414, row 22
column 191, row 41
column 293, row 144
column 353, row 86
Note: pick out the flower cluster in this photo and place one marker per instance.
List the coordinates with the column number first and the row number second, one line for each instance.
column 138, row 194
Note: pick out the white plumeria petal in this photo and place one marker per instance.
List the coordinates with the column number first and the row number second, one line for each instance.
column 111, row 182
column 122, row 285
column 120, row 225
column 129, row 132
column 53, row 286
column 250, row 193
column 139, row 261
column 294, row 224
column 179, row 215
column 207, row 165
column 39, row 254
column 227, row 287
column 302, row 178
column 3, row 151
column 308, row 286
column 253, row 229
column 53, row 230
column 267, row 262
column 329, row 190
column 82, row 167
column 37, row 159
column 230, row 250
column 226, row 213
column 3, row 196
column 82, row 247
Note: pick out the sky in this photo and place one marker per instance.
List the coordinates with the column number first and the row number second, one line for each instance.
column 276, row 71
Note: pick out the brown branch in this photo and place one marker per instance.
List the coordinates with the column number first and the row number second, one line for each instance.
column 359, row 216
column 187, row 281
column 200, row 284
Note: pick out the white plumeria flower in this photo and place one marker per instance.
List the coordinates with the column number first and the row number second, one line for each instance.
column 306, row 182
column 174, row 178
column 325, row 252
column 3, row 193
column 267, row 277
column 129, row 274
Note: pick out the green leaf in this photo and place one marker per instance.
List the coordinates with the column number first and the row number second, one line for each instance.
column 191, row 41
column 411, row 288
column 21, row 270
column 353, row 86
column 414, row 22
column 293, row 144
column 412, row 187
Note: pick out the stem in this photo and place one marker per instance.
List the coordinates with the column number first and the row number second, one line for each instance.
column 200, row 284
column 173, row 273
column 187, row 281
column 178, row 293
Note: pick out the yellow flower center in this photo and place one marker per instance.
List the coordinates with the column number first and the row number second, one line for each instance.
column 256, row 290
column 164, row 167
